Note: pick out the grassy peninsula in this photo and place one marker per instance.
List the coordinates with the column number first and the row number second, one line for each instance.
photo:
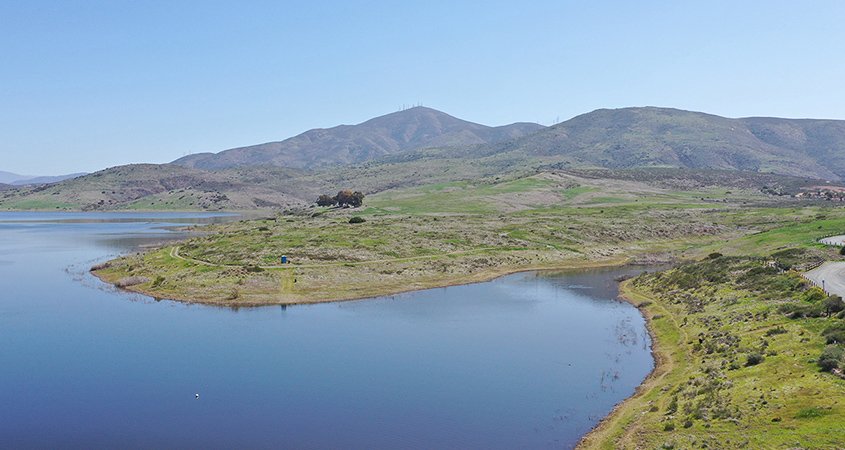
column 447, row 233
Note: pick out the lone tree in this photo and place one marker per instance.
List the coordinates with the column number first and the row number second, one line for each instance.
column 343, row 198
column 349, row 198
column 325, row 200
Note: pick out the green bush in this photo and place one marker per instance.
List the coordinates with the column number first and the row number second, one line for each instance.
column 835, row 334
column 832, row 357
column 842, row 251
column 800, row 311
column 158, row 281
column 834, row 304
column 357, row 219
column 753, row 359
column 776, row 330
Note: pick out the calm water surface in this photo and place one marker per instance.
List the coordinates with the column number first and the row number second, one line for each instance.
column 526, row 361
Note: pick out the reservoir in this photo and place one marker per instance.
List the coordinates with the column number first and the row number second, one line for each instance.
column 530, row 360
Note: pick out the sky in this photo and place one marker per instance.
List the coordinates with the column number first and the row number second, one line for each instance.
column 90, row 85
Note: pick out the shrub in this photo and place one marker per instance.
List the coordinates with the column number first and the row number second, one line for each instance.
column 158, row 281
column 669, row 426
column 799, row 311
column 714, row 255
column 776, row 330
column 753, row 359
column 357, row 219
column 842, row 251
column 835, row 334
column 326, row 200
column 815, row 295
column 833, row 304
column 831, row 358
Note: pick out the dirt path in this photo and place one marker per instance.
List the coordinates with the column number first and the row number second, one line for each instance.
column 831, row 276
column 174, row 253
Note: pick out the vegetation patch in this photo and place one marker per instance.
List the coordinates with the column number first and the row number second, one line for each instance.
column 738, row 369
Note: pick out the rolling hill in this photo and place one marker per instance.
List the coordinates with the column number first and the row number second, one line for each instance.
column 664, row 137
column 660, row 146
column 390, row 134
column 161, row 186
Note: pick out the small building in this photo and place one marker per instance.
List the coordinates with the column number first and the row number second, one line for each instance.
column 284, row 259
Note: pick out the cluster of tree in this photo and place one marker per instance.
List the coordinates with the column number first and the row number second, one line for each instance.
column 343, row 198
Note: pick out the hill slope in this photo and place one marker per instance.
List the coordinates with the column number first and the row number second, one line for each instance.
column 394, row 133
column 159, row 186
column 664, row 137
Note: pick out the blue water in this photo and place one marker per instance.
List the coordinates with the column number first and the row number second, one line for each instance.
column 525, row 361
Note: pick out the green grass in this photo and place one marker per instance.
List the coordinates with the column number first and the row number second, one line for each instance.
column 453, row 197
column 704, row 331
column 802, row 234
column 39, row 204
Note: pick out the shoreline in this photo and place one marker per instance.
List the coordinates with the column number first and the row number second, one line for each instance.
column 480, row 277
column 662, row 365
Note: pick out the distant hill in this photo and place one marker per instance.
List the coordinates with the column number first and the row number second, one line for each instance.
column 665, row 137
column 47, row 179
column 158, row 186
column 660, row 146
column 20, row 180
column 9, row 177
column 391, row 134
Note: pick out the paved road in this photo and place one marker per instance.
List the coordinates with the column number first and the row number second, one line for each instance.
column 833, row 274
column 834, row 240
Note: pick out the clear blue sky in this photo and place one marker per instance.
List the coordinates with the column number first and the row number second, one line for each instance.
column 87, row 85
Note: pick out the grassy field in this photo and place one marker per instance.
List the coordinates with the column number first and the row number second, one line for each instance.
column 710, row 320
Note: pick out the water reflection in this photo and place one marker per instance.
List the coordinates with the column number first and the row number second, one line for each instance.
column 530, row 360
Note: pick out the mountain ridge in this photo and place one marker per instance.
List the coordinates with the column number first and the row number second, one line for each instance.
column 393, row 133
column 667, row 137
column 639, row 139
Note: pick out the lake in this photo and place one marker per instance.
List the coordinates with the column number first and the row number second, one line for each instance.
column 531, row 360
